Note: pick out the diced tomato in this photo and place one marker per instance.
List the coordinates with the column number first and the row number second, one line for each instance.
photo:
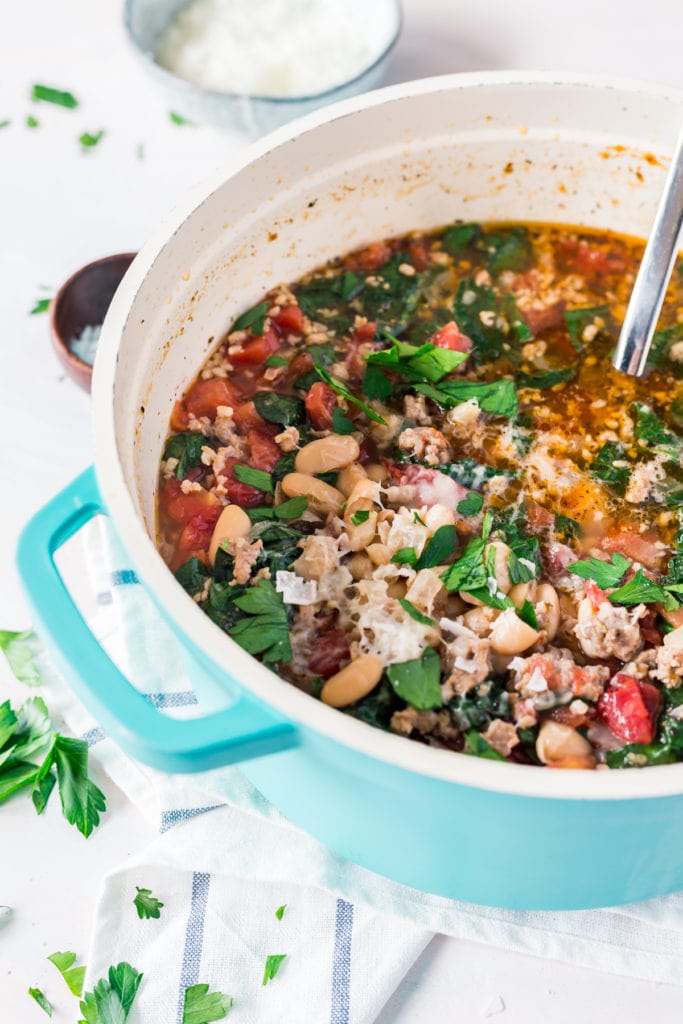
column 365, row 332
column 372, row 258
column 649, row 630
column 557, row 557
column 246, row 418
column 320, row 401
column 179, row 416
column 329, row 653
column 290, row 319
column 419, row 253
column 630, row 708
column 589, row 260
column 640, row 547
column 264, row 452
column 196, row 535
column 538, row 517
column 238, row 492
column 256, row 350
column 205, row 396
column 595, row 595
column 181, row 508
column 450, row 336
column 543, row 318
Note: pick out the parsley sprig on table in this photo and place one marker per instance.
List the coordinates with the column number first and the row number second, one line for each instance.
column 147, row 906
column 33, row 755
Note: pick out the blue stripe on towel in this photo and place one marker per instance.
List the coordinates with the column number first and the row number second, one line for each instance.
column 122, row 576
column 172, row 699
column 341, row 963
column 93, row 736
column 194, row 937
column 174, row 817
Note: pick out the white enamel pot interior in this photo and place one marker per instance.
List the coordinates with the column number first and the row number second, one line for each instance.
column 497, row 146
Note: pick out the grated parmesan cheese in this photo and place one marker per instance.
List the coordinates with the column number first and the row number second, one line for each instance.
column 275, row 48
column 294, row 589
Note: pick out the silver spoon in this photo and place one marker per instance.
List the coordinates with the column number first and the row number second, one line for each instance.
column 655, row 270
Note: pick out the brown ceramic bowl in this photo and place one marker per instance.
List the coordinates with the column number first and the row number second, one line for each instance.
column 81, row 301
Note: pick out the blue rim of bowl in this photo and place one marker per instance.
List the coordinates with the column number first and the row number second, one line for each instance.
column 192, row 87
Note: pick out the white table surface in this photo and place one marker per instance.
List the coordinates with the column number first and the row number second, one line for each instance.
column 60, row 209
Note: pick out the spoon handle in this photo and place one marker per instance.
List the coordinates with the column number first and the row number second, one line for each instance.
column 653, row 276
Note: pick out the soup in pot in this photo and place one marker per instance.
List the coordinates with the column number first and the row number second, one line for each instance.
column 413, row 485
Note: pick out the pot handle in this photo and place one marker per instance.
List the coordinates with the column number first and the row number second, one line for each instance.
column 245, row 730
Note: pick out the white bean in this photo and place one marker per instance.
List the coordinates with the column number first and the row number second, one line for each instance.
column 349, row 477
column 511, row 635
column 556, row 741
column 354, row 682
column 327, row 454
column 232, row 523
column 321, row 496
column 547, row 605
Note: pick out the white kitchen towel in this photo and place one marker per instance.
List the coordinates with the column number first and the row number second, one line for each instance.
column 225, row 860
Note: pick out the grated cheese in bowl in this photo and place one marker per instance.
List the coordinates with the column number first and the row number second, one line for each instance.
column 276, row 48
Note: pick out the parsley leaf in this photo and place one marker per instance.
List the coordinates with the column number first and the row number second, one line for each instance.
column 651, row 431
column 439, row 547
column 340, row 388
column 254, row 318
column 418, row 681
column 111, row 999
column 180, row 120
column 361, row 516
column 265, row 629
column 273, row 964
column 81, row 800
column 527, row 613
column 257, row 478
column 286, row 410
column 186, row 447
column 639, row 590
column 42, row 1000
column 605, row 574
column 423, row 362
column 147, row 906
column 498, row 397
column 40, row 306
column 414, row 612
column 376, row 384
column 32, row 122
column 341, row 424
column 471, row 505
column 280, row 912
column 61, row 98
column 21, row 650
column 405, row 556
column 201, row 1006
column 73, row 976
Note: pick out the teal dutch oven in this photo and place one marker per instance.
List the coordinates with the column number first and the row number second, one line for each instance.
column 530, row 147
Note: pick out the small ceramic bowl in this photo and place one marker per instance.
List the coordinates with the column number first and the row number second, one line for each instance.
column 145, row 20
column 82, row 302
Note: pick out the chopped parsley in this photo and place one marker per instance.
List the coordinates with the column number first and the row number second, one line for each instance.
column 89, row 140
column 414, row 612
column 111, row 999
column 73, row 976
column 280, row 912
column 265, row 628
column 273, row 964
column 40, row 306
column 424, row 362
column 294, row 508
column 201, row 1006
column 340, row 388
column 276, row 361
column 604, row 574
column 32, row 122
column 376, row 384
column 405, row 556
column 42, row 1000
column 60, row 97
column 341, row 424
column 359, row 517
column 257, row 478
column 179, row 119
column 498, row 397
column 418, row 682
column 471, row 505
column 147, row 906
column 255, row 318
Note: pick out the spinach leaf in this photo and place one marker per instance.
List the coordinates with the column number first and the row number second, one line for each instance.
column 662, row 343
column 567, row 528
column 498, row 397
column 305, row 381
column 283, row 466
column 471, row 300
column 477, row 708
column 192, row 575
column 608, row 467
column 254, row 318
column 392, row 300
column 325, row 299
column 476, row 745
column 666, row 749
column 283, row 409
column 458, row 238
column 578, row 319
column 510, row 250
column 265, row 628
column 377, row 708
column 653, row 433
column 186, row 447
column 325, row 354
column 545, row 378
column 418, row 681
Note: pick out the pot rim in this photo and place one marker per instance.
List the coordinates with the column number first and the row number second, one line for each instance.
column 444, row 765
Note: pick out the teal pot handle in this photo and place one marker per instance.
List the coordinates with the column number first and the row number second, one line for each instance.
column 245, row 730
